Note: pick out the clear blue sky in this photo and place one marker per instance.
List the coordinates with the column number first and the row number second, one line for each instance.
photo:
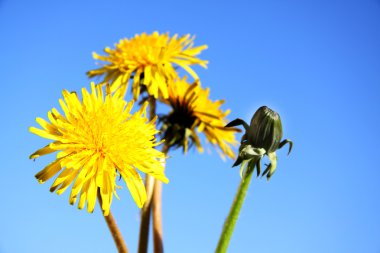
column 316, row 62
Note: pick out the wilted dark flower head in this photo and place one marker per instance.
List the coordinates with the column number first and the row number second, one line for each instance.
column 262, row 137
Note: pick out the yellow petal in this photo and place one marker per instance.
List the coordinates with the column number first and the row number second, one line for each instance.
column 135, row 186
column 49, row 171
column 43, row 133
column 83, row 194
column 91, row 196
column 64, row 182
column 43, row 151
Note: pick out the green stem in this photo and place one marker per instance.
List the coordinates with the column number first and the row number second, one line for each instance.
column 233, row 215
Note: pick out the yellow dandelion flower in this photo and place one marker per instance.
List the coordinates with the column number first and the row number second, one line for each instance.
column 193, row 112
column 97, row 140
column 149, row 60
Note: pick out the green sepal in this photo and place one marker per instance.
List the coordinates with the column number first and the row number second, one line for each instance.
column 284, row 142
column 247, row 152
column 238, row 122
column 258, row 167
column 273, row 164
column 242, row 168
column 266, row 170
column 238, row 161
column 247, row 166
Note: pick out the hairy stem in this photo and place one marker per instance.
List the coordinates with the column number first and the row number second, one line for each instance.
column 115, row 232
column 233, row 215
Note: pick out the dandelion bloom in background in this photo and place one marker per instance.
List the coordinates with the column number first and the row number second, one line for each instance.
column 193, row 112
column 98, row 139
column 151, row 60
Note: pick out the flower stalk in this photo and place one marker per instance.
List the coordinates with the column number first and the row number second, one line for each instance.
column 115, row 232
column 158, row 241
column 149, row 186
column 261, row 137
column 157, row 211
column 237, row 204
column 145, row 216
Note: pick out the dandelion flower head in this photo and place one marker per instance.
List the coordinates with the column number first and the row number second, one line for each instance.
column 149, row 60
column 98, row 140
column 194, row 112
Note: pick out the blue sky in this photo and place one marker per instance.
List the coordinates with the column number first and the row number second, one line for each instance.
column 315, row 62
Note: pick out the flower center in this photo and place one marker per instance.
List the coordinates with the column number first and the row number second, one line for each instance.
column 182, row 115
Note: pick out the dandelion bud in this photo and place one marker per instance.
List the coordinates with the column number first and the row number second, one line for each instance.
column 265, row 130
column 262, row 137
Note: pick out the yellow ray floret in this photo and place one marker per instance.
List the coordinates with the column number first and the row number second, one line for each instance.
column 148, row 60
column 194, row 112
column 97, row 140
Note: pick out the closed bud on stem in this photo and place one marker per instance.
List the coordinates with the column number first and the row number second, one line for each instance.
column 262, row 137
column 265, row 130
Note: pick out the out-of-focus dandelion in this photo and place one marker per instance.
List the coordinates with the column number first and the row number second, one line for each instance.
column 150, row 60
column 194, row 112
column 97, row 140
